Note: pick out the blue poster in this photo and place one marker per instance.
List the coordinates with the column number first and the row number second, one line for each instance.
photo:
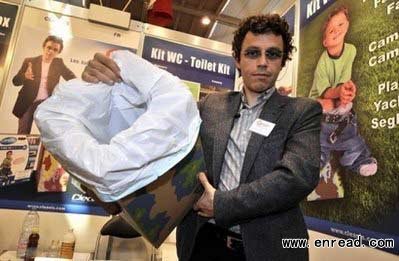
column 8, row 15
column 311, row 8
column 191, row 64
column 25, row 196
column 289, row 16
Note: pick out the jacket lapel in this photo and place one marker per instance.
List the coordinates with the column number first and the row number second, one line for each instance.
column 224, row 125
column 271, row 112
column 38, row 73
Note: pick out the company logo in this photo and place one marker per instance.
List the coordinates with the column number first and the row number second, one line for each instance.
column 8, row 140
column 82, row 198
column 59, row 21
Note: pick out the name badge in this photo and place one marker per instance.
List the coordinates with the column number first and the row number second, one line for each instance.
column 262, row 127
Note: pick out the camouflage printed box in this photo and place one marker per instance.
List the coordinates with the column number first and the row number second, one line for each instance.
column 157, row 209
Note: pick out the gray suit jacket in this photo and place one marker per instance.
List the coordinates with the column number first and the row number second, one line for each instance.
column 278, row 172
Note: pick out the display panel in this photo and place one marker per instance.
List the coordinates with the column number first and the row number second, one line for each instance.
column 348, row 62
column 51, row 48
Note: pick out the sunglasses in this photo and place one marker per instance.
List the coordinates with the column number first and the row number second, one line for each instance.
column 271, row 54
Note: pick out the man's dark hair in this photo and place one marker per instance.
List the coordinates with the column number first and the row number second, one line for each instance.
column 264, row 24
column 9, row 152
column 54, row 39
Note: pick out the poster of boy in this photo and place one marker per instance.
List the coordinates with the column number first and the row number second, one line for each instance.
column 362, row 70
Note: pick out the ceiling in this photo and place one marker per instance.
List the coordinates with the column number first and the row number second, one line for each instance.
column 225, row 15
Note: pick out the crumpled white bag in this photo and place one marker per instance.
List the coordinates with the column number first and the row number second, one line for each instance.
column 117, row 139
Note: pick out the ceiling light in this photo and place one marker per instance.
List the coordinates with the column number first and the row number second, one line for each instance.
column 205, row 20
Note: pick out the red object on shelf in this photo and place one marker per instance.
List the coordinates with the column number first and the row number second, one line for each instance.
column 161, row 13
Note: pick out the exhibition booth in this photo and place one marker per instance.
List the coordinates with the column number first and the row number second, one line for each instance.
column 39, row 196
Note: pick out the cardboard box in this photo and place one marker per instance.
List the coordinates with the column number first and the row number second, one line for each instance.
column 155, row 210
column 19, row 157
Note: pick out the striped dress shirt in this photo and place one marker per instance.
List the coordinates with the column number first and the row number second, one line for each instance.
column 238, row 142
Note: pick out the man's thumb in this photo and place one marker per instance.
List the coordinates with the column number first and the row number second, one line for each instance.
column 203, row 180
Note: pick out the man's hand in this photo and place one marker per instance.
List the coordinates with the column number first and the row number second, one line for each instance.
column 204, row 205
column 29, row 73
column 101, row 69
column 347, row 92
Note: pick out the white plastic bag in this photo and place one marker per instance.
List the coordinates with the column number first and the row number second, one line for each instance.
column 117, row 139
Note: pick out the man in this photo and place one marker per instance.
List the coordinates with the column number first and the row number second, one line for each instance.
column 38, row 76
column 262, row 153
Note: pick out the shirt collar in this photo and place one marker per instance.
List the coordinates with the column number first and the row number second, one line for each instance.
column 262, row 98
